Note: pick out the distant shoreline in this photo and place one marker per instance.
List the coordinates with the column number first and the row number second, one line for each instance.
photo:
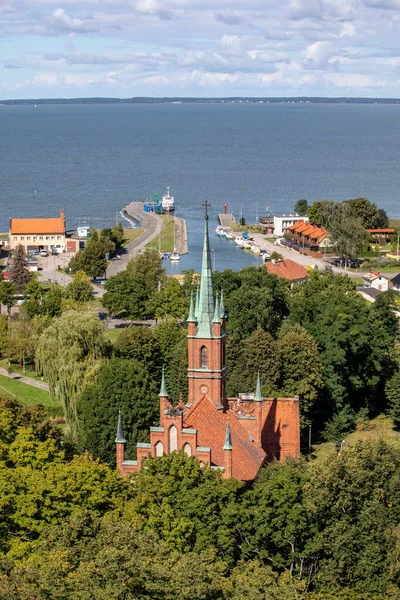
column 220, row 100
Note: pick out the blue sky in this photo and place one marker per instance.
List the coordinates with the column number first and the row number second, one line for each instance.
column 199, row 48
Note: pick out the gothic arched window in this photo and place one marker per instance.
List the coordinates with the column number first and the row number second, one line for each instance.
column 173, row 439
column 187, row 449
column 203, row 357
column 159, row 449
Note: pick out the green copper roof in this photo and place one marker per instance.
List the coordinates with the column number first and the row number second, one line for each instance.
column 120, row 435
column 205, row 307
column 163, row 390
column 228, row 439
column 258, row 395
column 191, row 318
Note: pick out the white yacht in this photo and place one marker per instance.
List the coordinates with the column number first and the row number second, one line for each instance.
column 168, row 202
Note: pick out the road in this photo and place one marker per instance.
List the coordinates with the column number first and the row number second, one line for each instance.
column 151, row 225
column 301, row 259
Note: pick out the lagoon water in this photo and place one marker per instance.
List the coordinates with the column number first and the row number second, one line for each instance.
column 95, row 159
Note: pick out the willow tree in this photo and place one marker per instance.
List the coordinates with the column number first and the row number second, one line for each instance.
column 68, row 355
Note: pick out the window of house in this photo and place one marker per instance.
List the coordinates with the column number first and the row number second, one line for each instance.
column 28, row 238
column 22, row 238
column 173, row 438
column 40, row 237
column 159, row 449
column 59, row 237
column 203, row 357
column 15, row 238
column 187, row 449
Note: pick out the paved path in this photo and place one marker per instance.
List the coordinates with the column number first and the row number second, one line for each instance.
column 23, row 379
column 151, row 225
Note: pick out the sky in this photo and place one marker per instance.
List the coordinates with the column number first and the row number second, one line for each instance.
column 202, row 48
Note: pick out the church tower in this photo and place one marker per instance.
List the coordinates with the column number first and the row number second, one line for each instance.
column 206, row 337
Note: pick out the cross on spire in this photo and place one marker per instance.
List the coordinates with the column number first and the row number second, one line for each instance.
column 207, row 206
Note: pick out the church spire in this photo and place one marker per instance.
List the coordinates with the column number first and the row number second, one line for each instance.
column 120, row 434
column 258, row 395
column 205, row 308
column 163, row 390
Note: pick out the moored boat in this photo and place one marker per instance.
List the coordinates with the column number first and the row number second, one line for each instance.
column 168, row 202
column 220, row 231
column 174, row 255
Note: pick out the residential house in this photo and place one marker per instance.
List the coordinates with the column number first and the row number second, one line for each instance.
column 39, row 234
column 287, row 269
column 309, row 236
column 395, row 281
column 382, row 236
column 376, row 281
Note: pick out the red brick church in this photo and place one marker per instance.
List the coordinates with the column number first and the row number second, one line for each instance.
column 236, row 435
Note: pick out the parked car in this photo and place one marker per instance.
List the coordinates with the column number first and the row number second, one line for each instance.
column 43, row 253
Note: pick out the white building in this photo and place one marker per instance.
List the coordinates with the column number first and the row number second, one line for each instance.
column 376, row 281
column 282, row 224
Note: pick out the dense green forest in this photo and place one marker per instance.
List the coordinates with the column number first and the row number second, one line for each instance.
column 317, row 528
column 71, row 527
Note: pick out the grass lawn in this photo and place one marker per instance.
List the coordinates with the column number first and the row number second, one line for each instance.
column 26, row 394
column 164, row 242
column 130, row 235
column 113, row 334
column 375, row 429
column 241, row 228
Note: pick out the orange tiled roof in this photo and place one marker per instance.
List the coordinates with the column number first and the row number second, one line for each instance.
column 296, row 226
column 37, row 226
column 247, row 456
column 303, row 228
column 317, row 233
column 288, row 269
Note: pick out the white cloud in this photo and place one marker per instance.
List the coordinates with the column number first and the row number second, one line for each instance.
column 313, row 47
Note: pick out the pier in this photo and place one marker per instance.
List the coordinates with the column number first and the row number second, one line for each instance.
column 151, row 226
column 226, row 220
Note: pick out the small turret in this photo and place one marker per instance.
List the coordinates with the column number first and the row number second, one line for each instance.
column 222, row 306
column 228, row 447
column 217, row 318
column 192, row 317
column 163, row 389
column 120, row 435
column 196, row 308
column 120, row 442
column 228, row 439
column 258, row 395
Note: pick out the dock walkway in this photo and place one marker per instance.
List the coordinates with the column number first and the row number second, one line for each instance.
column 150, row 223
column 225, row 220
